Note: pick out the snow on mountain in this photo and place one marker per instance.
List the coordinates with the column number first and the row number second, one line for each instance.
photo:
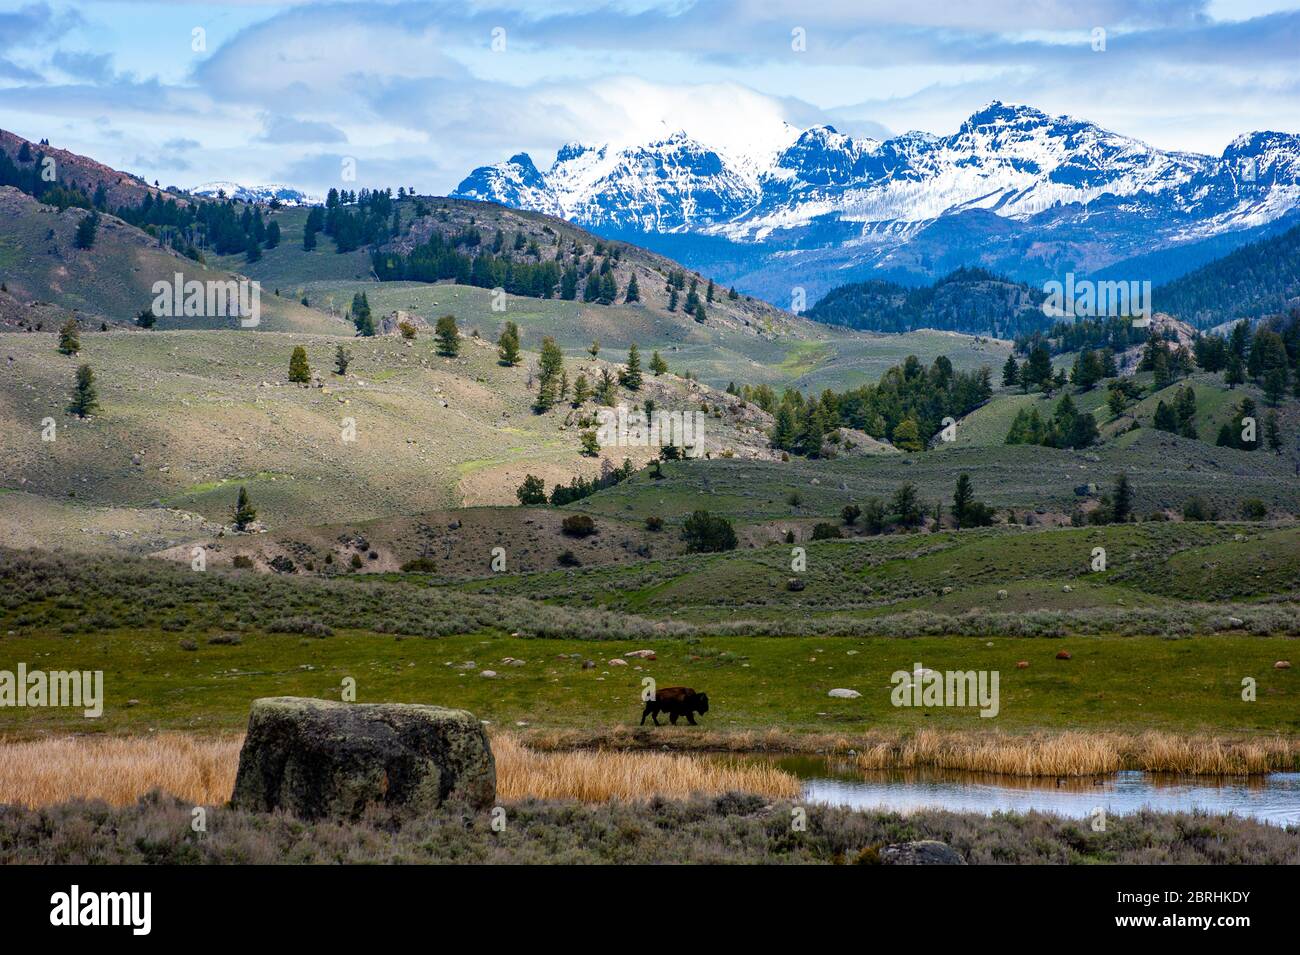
column 845, row 203
column 287, row 195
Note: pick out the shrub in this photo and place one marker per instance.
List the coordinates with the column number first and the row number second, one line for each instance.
column 308, row 626
column 824, row 531
column 243, row 562
column 654, row 524
column 570, row 559
column 226, row 639
column 420, row 565
column 355, row 561
column 704, row 533
column 578, row 525
column 851, row 513
column 1254, row 509
column 188, row 644
column 532, row 492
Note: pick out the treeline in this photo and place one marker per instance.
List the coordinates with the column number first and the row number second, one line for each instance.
column 906, row 407
column 970, row 300
column 1251, row 282
column 354, row 219
column 532, row 493
column 223, row 227
column 1067, row 428
column 1116, row 334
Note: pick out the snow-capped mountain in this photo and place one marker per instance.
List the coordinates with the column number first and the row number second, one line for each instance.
column 1013, row 189
column 287, row 195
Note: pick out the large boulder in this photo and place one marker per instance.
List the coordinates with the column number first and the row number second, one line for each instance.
column 925, row 852
column 317, row 758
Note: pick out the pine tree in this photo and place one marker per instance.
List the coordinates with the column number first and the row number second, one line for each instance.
column 906, row 507
column 361, row 316
column 1122, row 499
column 1275, row 385
column 657, row 364
column 672, row 300
column 1010, row 372
column 69, row 338
column 550, row 370
column 85, row 398
column 342, row 358
column 569, row 284
column 590, row 446
column 1236, row 373
column 508, row 345
column 146, row 319
column 631, row 376
column 783, row 429
column 448, row 336
column 87, row 229
column 607, row 390
column 299, row 370
column 1166, row 419
column 961, row 498
column 708, row 295
column 633, row 290
column 245, row 513
column 1273, row 432
column 732, row 293
column 593, row 349
column 907, row 437
column 581, row 391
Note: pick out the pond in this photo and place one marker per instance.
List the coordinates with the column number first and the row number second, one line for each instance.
column 1272, row 798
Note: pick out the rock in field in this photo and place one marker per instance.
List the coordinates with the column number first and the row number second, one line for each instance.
column 1063, row 655
column 1282, row 665
column 842, row 694
column 319, row 759
column 925, row 852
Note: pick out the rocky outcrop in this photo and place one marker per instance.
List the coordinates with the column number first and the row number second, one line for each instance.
column 925, row 852
column 321, row 759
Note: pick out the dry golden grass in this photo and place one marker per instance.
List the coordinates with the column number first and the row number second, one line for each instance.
column 1071, row 753
column 552, row 765
column 1080, row 754
column 119, row 770
column 601, row 775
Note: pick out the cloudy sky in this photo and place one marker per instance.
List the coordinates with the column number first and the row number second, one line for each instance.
column 420, row 93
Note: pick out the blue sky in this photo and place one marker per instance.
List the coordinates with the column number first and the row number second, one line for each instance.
column 416, row 94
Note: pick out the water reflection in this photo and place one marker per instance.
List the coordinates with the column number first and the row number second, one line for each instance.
column 1272, row 798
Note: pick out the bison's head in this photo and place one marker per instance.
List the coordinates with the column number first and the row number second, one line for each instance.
column 701, row 702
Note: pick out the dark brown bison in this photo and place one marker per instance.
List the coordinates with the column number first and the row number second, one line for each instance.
column 676, row 701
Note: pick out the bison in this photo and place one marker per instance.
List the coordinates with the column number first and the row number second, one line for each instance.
column 676, row 701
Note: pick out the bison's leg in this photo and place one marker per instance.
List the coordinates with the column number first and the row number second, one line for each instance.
column 672, row 718
column 690, row 718
column 646, row 712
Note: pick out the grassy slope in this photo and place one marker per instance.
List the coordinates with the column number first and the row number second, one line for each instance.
column 748, row 341
column 40, row 261
column 206, row 411
column 1165, row 471
column 1147, row 565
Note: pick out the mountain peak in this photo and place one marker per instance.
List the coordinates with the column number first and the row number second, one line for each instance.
column 998, row 113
